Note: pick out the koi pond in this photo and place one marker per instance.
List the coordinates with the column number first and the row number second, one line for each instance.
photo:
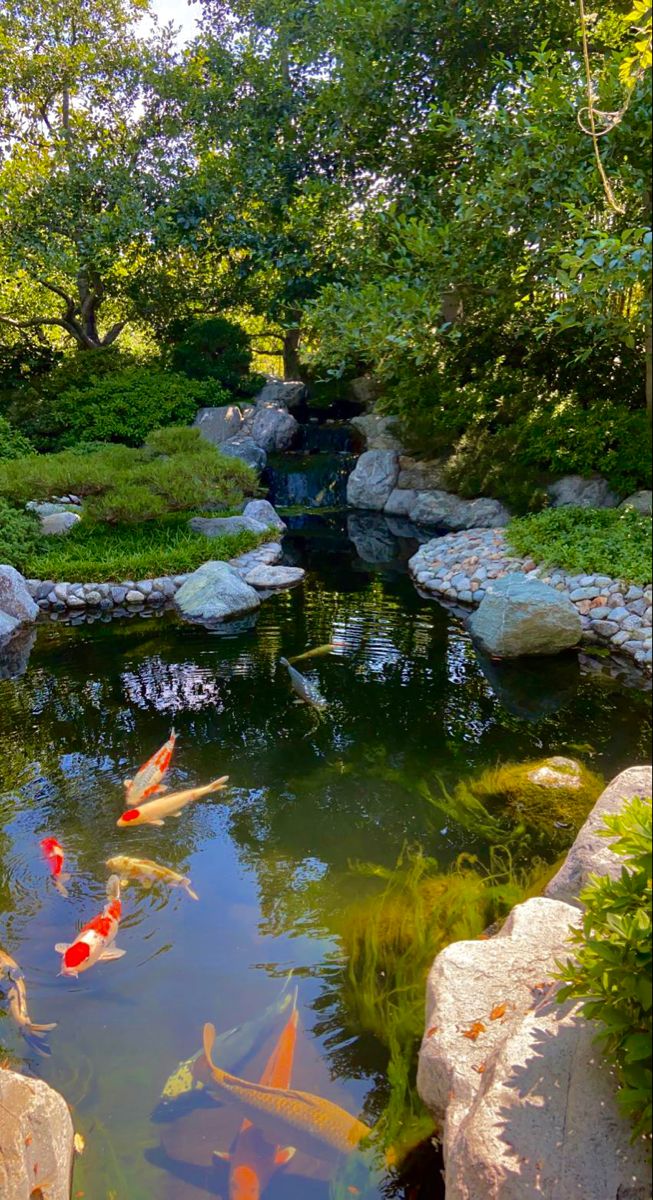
column 350, row 846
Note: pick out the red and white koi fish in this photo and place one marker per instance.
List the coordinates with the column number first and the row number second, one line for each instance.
column 12, row 982
column 56, row 858
column 253, row 1159
column 147, row 781
column 170, row 805
column 94, row 942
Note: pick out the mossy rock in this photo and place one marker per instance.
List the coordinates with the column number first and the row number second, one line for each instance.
column 546, row 801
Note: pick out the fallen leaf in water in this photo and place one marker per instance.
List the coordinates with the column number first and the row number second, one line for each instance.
column 479, row 1069
column 433, row 1030
column 474, row 1031
column 79, row 1143
column 498, row 1012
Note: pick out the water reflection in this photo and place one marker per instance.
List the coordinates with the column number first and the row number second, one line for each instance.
column 408, row 700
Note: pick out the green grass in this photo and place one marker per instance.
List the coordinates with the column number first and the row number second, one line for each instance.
column 102, row 553
column 603, row 541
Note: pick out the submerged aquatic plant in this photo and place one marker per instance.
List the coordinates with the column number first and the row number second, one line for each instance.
column 389, row 939
column 534, row 807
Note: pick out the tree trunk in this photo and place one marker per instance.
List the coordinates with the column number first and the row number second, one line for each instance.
column 291, row 364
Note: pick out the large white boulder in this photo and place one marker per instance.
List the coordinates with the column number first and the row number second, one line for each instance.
column 15, row 599
column 373, row 479
column 591, row 853
column 527, row 1104
column 36, row 1140
column 219, row 424
column 520, row 616
column 215, row 592
column 573, row 491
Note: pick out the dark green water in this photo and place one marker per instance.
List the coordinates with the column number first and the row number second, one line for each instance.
column 407, row 700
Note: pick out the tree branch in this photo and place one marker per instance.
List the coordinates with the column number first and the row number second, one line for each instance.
column 112, row 333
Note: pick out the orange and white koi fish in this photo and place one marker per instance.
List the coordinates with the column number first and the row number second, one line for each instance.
column 56, row 858
column 253, row 1159
column 316, row 1126
column 154, row 812
column 147, row 781
column 94, row 942
column 12, row 981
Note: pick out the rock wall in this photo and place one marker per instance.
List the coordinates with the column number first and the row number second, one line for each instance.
column 524, row 1099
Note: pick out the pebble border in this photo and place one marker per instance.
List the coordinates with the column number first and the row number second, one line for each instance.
column 458, row 569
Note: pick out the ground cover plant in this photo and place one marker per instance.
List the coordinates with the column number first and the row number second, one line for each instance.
column 606, row 541
column 13, row 444
column 612, row 971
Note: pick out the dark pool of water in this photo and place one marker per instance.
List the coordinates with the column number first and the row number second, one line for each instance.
column 408, row 699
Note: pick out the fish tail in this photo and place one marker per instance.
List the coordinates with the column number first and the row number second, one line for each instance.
column 284, row 662
column 193, row 895
column 32, row 1029
column 173, row 734
column 113, row 887
column 218, row 784
column 64, row 877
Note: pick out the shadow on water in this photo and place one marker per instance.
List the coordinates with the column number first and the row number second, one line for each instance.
column 408, row 701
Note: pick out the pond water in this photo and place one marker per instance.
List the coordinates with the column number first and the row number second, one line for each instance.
column 408, row 700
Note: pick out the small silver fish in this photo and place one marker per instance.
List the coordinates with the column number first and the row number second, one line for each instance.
column 306, row 690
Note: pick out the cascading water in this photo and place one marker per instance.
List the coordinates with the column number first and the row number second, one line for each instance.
column 315, row 473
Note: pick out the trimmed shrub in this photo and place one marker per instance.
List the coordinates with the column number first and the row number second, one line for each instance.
column 603, row 541
column 613, row 968
column 12, row 443
column 215, row 349
column 20, row 534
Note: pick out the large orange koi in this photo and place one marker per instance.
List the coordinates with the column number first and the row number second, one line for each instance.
column 147, row 781
column 253, row 1159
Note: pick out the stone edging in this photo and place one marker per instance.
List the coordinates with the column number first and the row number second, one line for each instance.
column 458, row 568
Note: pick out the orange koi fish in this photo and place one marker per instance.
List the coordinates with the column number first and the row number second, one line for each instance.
column 254, row 1160
column 94, row 942
column 147, row 781
column 56, row 858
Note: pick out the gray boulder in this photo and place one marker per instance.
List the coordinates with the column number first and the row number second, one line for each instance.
column 36, row 1140
column 364, row 389
column 15, row 599
column 215, row 592
column 444, row 510
column 372, row 538
column 422, row 475
column 519, row 616
column 282, row 393
column 265, row 513
column 378, row 433
column 244, row 447
column 373, row 479
column 59, row 522
column 219, row 526
column 220, row 424
column 400, row 502
column 641, row 501
column 45, row 508
column 591, row 854
column 263, row 556
column 273, row 428
column 529, row 1107
column 270, row 577
column 8, row 625
column 15, row 651
column 573, row 491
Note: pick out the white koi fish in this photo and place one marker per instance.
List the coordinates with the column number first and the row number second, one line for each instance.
column 13, row 983
column 149, row 872
column 94, row 942
column 171, row 805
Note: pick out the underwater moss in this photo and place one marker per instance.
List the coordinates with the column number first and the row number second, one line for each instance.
column 533, row 807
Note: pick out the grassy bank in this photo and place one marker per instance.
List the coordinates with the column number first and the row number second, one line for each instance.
column 589, row 541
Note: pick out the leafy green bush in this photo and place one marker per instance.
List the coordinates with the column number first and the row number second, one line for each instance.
column 604, row 541
column 12, row 443
column 100, row 553
column 215, row 349
column 103, row 396
column 613, row 969
column 19, row 534
column 120, row 484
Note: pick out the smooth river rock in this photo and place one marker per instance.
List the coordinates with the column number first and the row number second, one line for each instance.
column 15, row 599
column 519, row 616
column 641, row 501
column 573, row 491
column 373, row 479
column 591, row 853
column 36, row 1140
column 58, row 523
column 265, row 513
column 270, row 577
column 215, row 592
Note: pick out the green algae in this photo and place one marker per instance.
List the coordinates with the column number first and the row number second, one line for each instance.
column 536, row 806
